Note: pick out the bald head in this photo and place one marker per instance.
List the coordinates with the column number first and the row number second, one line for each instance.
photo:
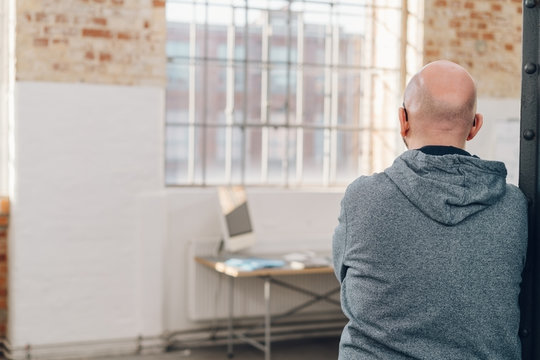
column 440, row 101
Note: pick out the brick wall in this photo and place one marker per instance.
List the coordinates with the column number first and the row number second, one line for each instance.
column 482, row 35
column 98, row 41
column 122, row 41
column 4, row 220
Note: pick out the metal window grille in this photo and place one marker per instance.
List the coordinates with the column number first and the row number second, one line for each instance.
column 288, row 93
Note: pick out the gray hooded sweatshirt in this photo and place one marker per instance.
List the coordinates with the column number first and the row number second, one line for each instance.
column 429, row 255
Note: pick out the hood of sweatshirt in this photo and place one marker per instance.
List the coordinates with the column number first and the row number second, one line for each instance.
column 448, row 188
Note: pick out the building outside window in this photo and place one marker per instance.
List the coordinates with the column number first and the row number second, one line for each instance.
column 289, row 93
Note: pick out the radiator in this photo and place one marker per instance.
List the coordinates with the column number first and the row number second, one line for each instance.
column 208, row 291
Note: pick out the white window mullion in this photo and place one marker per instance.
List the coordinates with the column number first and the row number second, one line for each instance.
column 366, row 114
column 204, row 146
column 300, row 99
column 327, row 103
column 265, row 86
column 335, row 98
column 285, row 161
column 229, row 106
column 243, row 150
column 192, row 90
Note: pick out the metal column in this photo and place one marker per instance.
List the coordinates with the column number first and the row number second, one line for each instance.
column 528, row 179
column 267, row 319
column 230, row 336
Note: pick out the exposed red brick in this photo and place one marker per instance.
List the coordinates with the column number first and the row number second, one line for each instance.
column 60, row 41
column 122, row 35
column 105, row 57
column 432, row 53
column 41, row 16
column 61, row 19
column 488, row 36
column 469, row 5
column 60, row 67
column 4, row 205
column 467, row 34
column 482, row 26
column 100, row 21
column 101, row 33
column 509, row 47
column 481, row 15
column 496, row 7
column 454, row 23
column 42, row 42
column 70, row 39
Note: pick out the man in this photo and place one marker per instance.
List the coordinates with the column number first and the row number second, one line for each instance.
column 430, row 252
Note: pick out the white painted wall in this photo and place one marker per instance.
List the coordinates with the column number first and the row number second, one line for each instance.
column 498, row 138
column 284, row 221
column 98, row 245
column 84, row 155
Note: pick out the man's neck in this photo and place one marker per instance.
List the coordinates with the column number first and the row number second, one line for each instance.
column 441, row 140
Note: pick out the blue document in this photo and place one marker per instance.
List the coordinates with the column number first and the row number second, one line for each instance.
column 250, row 264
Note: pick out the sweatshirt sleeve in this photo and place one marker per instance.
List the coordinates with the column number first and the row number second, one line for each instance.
column 339, row 243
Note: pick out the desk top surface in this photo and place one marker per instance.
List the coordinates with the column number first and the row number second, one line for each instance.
column 219, row 265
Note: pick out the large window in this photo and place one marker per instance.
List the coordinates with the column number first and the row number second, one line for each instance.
column 290, row 93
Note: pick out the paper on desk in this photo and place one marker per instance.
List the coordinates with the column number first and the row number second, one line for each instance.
column 250, row 264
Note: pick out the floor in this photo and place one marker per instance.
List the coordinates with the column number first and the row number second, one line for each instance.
column 312, row 349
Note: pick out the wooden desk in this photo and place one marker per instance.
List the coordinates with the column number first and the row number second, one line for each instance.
column 269, row 276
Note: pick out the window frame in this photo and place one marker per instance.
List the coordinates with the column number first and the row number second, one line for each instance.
column 330, row 125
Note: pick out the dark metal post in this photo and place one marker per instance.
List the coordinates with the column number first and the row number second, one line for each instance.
column 528, row 179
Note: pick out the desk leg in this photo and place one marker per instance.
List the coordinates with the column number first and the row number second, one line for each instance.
column 267, row 319
column 230, row 335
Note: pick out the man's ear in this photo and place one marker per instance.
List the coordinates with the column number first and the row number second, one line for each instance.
column 403, row 122
column 477, row 124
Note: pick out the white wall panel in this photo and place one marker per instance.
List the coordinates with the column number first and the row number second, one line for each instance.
column 83, row 155
column 498, row 138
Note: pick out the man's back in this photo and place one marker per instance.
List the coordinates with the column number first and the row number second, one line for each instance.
column 430, row 255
